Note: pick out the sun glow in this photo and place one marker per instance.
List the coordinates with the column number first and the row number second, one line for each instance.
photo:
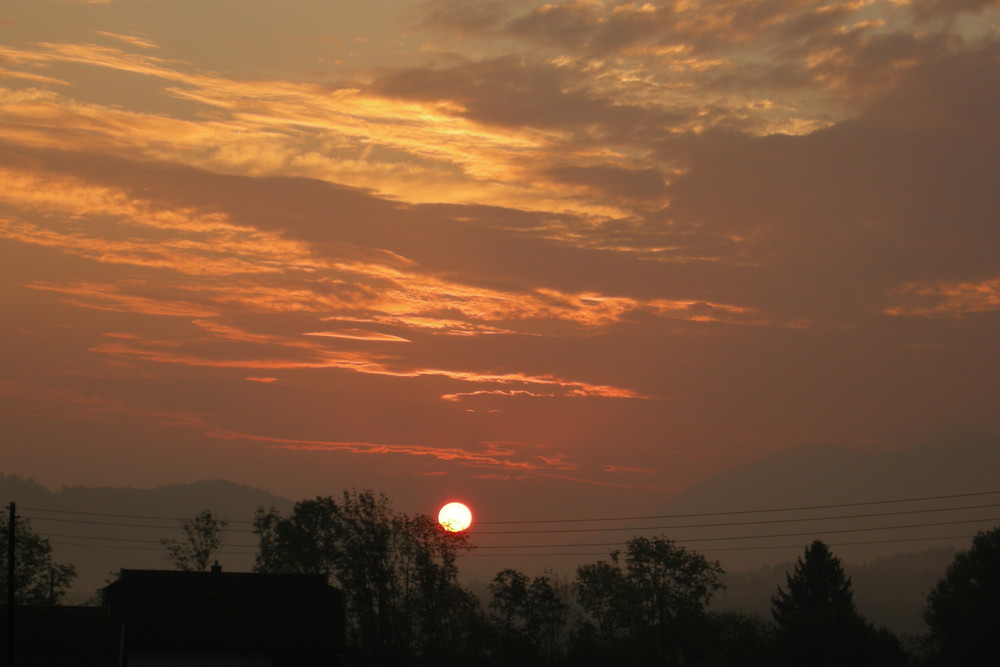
column 455, row 517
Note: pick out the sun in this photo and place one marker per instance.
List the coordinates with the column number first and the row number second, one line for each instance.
column 455, row 517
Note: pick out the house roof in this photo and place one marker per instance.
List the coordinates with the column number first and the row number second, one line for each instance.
column 227, row 610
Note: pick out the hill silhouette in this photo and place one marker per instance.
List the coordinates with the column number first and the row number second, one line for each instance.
column 828, row 474
column 821, row 475
column 812, row 475
column 99, row 543
column 892, row 568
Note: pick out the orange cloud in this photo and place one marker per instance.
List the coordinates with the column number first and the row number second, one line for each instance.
column 293, row 354
column 359, row 334
column 109, row 297
column 131, row 40
column 488, row 457
column 946, row 298
column 629, row 470
column 400, row 294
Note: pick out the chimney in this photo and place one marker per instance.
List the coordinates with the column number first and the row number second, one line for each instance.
column 215, row 579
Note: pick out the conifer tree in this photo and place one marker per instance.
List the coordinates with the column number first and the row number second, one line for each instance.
column 817, row 624
column 818, row 588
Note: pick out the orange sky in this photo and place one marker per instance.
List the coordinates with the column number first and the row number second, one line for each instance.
column 550, row 258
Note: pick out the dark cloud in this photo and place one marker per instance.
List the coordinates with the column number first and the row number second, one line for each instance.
column 836, row 219
column 638, row 185
column 938, row 8
column 512, row 91
column 602, row 29
column 467, row 16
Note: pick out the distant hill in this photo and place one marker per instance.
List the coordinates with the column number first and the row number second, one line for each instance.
column 892, row 568
column 823, row 475
column 743, row 539
column 101, row 530
column 828, row 474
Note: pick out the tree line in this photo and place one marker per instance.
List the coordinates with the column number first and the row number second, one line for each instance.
column 646, row 604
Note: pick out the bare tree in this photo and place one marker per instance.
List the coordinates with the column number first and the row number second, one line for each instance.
column 202, row 538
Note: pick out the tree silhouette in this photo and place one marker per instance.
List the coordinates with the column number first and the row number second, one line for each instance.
column 531, row 615
column 398, row 574
column 202, row 538
column 816, row 622
column 649, row 606
column 38, row 579
column 963, row 609
column 508, row 598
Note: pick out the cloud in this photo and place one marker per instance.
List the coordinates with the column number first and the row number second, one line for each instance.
column 467, row 16
column 359, row 334
column 511, row 92
column 638, row 185
column 936, row 8
column 857, row 210
column 110, row 297
column 489, row 456
column 628, row 470
column 131, row 40
column 590, row 223
column 946, row 298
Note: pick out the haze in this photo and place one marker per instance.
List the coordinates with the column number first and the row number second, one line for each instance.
column 552, row 259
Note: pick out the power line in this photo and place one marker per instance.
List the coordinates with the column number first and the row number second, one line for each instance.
column 588, row 553
column 582, row 530
column 121, row 539
column 648, row 528
column 756, row 537
column 605, row 544
column 131, row 548
column 754, row 511
column 757, row 548
column 120, row 516
column 126, row 525
column 591, row 519
column 734, row 523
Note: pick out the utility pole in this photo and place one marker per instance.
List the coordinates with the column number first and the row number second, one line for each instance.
column 11, row 537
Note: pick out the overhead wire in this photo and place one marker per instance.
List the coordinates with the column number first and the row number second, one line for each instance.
column 753, row 511
column 131, row 543
column 606, row 544
column 125, row 525
column 649, row 528
column 592, row 530
column 758, row 537
column 132, row 548
column 716, row 549
column 119, row 516
column 590, row 519
column 735, row 523
column 121, row 539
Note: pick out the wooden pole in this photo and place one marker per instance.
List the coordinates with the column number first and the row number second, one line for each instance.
column 11, row 538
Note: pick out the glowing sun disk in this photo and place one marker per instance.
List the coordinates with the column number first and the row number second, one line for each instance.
column 455, row 517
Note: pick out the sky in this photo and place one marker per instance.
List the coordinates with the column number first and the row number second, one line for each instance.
column 549, row 258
